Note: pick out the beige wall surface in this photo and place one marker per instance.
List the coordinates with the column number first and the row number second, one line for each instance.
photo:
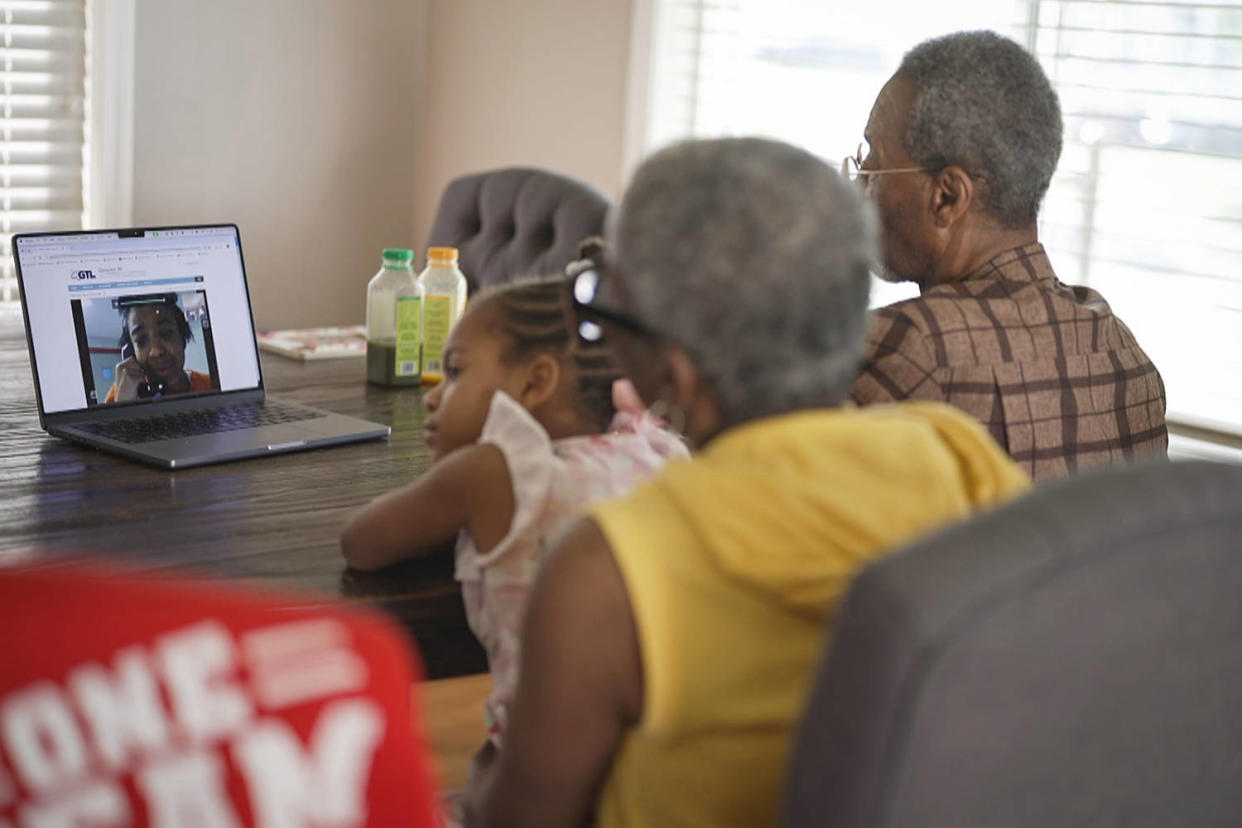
column 532, row 83
column 294, row 118
column 327, row 129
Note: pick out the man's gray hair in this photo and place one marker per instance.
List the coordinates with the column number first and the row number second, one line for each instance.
column 752, row 255
column 983, row 103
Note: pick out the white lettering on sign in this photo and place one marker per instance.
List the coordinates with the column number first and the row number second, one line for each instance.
column 187, row 791
column 42, row 737
column 301, row 661
column 326, row 784
column 121, row 707
column 169, row 716
column 198, row 664
column 97, row 805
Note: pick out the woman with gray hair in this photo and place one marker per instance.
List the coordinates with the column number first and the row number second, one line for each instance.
column 671, row 637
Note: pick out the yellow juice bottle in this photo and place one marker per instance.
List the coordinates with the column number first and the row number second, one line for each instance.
column 444, row 299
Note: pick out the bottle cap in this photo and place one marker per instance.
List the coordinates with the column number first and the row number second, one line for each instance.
column 447, row 255
column 400, row 254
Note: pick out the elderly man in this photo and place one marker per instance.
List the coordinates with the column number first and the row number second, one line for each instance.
column 963, row 141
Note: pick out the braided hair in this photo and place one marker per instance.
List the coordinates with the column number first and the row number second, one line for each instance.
column 536, row 316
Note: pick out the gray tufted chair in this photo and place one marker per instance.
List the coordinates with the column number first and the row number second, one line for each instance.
column 1073, row 658
column 515, row 222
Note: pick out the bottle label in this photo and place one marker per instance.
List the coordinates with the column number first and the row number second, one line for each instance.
column 437, row 319
column 409, row 336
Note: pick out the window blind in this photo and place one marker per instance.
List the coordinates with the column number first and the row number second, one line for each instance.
column 42, row 121
column 1146, row 205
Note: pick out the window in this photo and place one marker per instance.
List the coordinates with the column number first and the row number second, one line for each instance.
column 1146, row 205
column 42, row 121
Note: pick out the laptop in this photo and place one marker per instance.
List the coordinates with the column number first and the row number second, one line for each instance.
column 142, row 344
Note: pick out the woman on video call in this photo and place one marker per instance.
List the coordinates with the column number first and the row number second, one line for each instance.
column 154, row 332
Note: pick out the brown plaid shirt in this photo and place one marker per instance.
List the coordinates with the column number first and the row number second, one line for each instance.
column 1058, row 380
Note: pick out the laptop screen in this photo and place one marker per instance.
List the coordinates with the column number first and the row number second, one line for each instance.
column 132, row 316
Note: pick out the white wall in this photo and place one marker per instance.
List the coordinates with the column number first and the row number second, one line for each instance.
column 532, row 83
column 294, row 118
column 327, row 129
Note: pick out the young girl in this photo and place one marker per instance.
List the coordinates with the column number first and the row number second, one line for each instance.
column 525, row 435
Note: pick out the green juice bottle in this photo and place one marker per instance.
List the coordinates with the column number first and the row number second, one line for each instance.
column 395, row 321
column 444, row 299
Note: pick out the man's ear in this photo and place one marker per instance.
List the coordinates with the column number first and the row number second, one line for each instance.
column 539, row 381
column 953, row 191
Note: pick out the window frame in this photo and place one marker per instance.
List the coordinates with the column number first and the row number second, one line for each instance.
column 110, row 26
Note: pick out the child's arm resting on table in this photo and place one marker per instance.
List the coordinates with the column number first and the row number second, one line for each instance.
column 468, row 488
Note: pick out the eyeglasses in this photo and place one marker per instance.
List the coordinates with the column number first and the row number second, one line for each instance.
column 590, row 314
column 852, row 168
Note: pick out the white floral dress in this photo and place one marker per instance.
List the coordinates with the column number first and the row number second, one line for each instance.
column 553, row 482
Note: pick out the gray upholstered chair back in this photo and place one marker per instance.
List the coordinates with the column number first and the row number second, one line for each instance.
column 1072, row 659
column 515, row 222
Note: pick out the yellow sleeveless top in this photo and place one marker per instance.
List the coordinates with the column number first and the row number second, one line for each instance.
column 734, row 563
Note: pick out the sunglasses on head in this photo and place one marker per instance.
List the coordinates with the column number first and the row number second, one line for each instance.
column 590, row 313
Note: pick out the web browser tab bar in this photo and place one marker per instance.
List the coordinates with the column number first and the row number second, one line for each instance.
column 191, row 231
column 54, row 242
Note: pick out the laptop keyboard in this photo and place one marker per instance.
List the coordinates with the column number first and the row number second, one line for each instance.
column 196, row 421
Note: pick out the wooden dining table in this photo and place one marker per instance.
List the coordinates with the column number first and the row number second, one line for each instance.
column 271, row 523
